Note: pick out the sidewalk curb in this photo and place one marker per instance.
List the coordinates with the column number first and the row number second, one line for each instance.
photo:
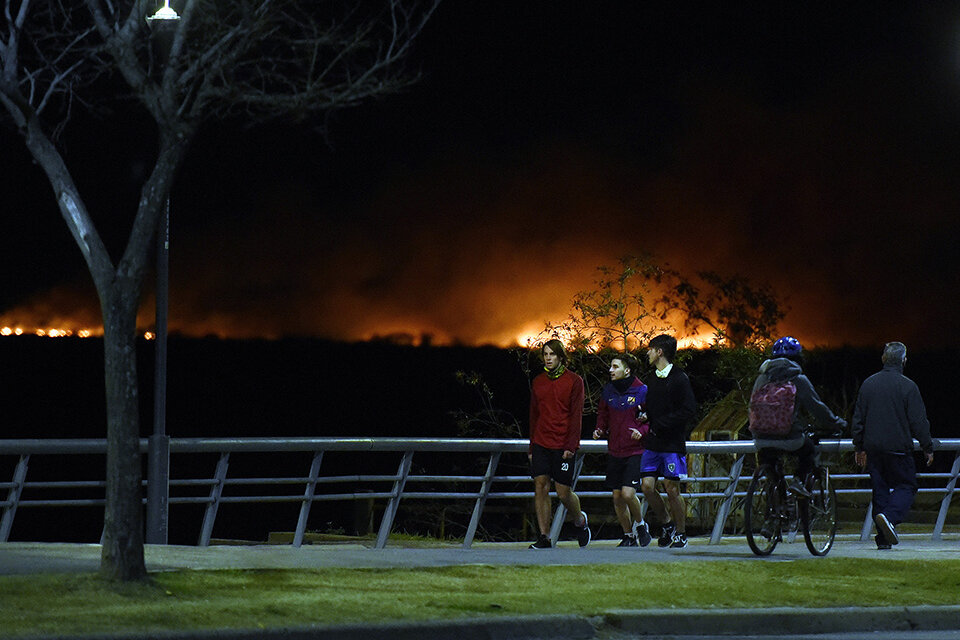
column 784, row 620
column 638, row 622
column 558, row 627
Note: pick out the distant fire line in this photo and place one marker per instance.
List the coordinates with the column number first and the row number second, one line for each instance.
column 59, row 333
column 528, row 340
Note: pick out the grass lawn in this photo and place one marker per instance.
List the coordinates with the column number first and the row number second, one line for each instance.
column 83, row 603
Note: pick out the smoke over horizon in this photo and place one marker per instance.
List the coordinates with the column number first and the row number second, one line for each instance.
column 814, row 151
column 465, row 254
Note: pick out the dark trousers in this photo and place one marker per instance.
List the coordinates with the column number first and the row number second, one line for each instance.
column 894, row 479
column 806, row 457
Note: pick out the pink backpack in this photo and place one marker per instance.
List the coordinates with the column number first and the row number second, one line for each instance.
column 771, row 409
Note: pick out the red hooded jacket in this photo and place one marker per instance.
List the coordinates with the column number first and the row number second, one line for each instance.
column 556, row 411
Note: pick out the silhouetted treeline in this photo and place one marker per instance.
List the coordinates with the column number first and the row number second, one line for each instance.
column 300, row 387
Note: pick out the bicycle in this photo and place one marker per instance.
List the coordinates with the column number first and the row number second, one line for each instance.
column 766, row 512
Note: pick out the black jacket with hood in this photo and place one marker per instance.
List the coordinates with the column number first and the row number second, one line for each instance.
column 781, row 369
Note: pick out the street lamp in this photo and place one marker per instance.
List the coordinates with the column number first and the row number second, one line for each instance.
column 158, row 452
column 164, row 13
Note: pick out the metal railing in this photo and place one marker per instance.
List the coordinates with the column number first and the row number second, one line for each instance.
column 721, row 493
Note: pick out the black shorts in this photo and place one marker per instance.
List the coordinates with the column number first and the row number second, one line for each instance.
column 624, row 472
column 550, row 462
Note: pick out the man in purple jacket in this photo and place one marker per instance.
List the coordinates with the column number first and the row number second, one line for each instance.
column 621, row 418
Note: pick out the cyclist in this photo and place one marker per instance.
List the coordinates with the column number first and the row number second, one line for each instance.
column 785, row 366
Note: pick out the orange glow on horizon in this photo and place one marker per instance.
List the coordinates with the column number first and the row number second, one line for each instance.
column 50, row 332
column 528, row 337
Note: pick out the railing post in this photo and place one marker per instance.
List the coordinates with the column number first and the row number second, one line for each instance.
column 308, row 494
column 13, row 497
column 216, row 491
column 729, row 495
column 481, row 499
column 945, row 503
column 562, row 510
column 867, row 523
column 391, row 511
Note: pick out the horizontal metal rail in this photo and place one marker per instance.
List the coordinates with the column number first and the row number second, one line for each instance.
column 721, row 495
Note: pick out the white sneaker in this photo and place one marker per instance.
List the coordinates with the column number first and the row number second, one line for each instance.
column 679, row 541
column 884, row 527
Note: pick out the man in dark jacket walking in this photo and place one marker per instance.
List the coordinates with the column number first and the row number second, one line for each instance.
column 889, row 414
column 671, row 408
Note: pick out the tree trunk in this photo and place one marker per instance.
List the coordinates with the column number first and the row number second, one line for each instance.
column 122, row 555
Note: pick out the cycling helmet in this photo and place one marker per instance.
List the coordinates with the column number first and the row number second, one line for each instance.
column 787, row 346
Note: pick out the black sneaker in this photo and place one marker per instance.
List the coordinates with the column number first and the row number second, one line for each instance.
column 629, row 540
column 666, row 534
column 543, row 542
column 642, row 533
column 882, row 544
column 655, row 528
column 679, row 541
column 583, row 533
column 885, row 528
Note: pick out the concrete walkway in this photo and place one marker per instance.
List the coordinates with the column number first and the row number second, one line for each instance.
column 28, row 558
column 38, row 557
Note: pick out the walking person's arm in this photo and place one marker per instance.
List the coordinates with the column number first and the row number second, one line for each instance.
column 575, row 424
column 919, row 425
column 534, row 416
column 811, row 402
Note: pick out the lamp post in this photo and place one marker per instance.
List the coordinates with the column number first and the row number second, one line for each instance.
column 158, row 452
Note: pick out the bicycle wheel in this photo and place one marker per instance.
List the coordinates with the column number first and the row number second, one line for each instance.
column 761, row 511
column 819, row 513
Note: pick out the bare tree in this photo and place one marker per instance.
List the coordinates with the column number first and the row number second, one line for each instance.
column 251, row 59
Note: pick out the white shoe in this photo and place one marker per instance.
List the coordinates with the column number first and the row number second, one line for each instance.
column 884, row 527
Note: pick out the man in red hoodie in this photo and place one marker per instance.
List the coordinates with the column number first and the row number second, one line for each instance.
column 622, row 419
column 556, row 409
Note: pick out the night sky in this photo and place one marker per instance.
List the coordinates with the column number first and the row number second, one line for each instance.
column 811, row 146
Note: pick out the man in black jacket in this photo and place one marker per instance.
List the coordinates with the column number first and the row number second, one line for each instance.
column 671, row 408
column 888, row 416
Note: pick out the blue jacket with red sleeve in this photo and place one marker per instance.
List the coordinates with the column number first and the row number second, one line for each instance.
column 619, row 414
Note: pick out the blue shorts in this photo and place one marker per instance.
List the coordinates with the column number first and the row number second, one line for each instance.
column 672, row 466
